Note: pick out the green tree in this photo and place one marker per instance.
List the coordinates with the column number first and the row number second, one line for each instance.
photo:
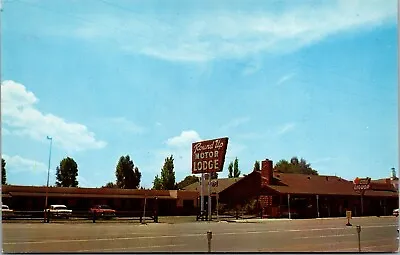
column 236, row 171
column 110, row 185
column 257, row 166
column 190, row 179
column 3, row 172
column 157, row 184
column 67, row 173
column 295, row 166
column 128, row 176
column 168, row 174
column 230, row 170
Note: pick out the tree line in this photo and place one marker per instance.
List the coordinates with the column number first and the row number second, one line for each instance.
column 128, row 176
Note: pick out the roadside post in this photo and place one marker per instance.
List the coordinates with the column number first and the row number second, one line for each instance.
column 209, row 237
column 359, row 239
column 348, row 216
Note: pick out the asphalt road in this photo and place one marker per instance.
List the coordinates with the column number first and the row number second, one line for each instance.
column 377, row 235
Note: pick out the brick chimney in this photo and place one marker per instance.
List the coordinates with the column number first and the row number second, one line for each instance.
column 266, row 172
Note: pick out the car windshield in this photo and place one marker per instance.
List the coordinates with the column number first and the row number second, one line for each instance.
column 60, row 207
column 104, row 207
column 4, row 207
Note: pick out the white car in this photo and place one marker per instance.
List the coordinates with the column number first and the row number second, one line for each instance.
column 6, row 212
column 396, row 212
column 59, row 211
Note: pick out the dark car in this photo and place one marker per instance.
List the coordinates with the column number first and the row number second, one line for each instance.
column 102, row 211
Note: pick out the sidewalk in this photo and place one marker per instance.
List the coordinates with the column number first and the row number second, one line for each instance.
column 286, row 219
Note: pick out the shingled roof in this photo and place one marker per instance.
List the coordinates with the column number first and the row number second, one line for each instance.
column 311, row 184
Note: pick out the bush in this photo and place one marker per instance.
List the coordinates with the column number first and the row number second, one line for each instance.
column 251, row 206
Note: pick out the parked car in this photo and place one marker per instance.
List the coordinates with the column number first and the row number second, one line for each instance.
column 102, row 211
column 396, row 212
column 6, row 212
column 59, row 211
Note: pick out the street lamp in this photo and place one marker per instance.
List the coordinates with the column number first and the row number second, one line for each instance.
column 48, row 175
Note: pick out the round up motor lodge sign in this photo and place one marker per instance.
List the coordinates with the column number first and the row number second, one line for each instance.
column 209, row 156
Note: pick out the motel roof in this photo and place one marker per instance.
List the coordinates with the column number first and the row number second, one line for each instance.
column 289, row 183
column 39, row 191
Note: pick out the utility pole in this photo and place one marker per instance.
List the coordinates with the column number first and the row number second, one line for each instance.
column 48, row 177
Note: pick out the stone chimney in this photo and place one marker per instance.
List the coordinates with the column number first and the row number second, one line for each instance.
column 266, row 172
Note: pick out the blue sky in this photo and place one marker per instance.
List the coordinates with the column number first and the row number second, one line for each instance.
column 313, row 79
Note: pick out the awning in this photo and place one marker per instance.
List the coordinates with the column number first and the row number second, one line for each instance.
column 64, row 195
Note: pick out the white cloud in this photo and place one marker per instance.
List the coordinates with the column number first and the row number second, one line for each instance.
column 20, row 114
column 233, row 151
column 185, row 139
column 253, row 135
column 158, row 124
column 19, row 164
column 286, row 128
column 252, row 67
column 285, row 78
column 195, row 36
column 235, row 123
column 125, row 124
column 83, row 182
column 5, row 131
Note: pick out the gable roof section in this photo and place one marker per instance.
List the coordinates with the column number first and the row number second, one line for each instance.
column 311, row 184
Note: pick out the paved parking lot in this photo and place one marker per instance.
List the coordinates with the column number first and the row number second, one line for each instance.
column 377, row 235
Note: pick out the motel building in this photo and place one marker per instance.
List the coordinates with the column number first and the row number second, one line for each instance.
column 307, row 196
column 165, row 202
column 272, row 193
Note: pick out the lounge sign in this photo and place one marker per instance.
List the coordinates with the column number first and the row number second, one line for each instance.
column 209, row 156
column 361, row 183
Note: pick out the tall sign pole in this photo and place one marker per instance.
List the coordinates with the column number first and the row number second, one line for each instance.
column 208, row 157
column 217, row 206
column 202, row 193
column 288, row 201
column 209, row 198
